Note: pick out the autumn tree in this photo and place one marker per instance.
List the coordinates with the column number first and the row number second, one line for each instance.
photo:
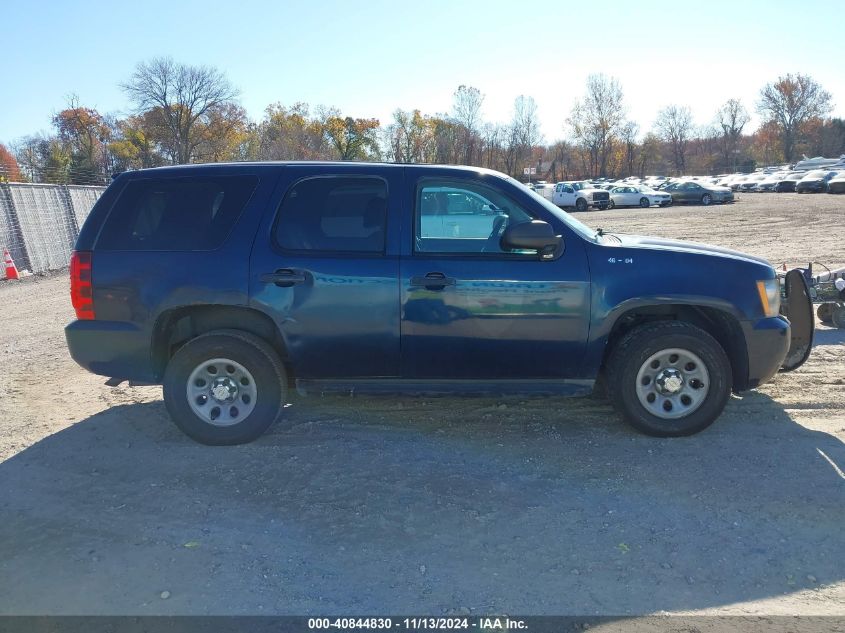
column 185, row 97
column 294, row 133
column 224, row 134
column 43, row 159
column 674, row 125
column 597, row 120
column 9, row 170
column 731, row 119
column 409, row 137
column 353, row 139
column 84, row 133
column 136, row 142
column 790, row 102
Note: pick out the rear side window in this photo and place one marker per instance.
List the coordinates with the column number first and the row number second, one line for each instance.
column 334, row 214
column 176, row 214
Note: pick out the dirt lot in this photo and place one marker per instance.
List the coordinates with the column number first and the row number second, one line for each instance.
column 387, row 505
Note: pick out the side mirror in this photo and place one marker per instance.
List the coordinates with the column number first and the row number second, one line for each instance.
column 534, row 235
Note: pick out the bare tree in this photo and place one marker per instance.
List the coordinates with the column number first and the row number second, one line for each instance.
column 791, row 102
column 183, row 95
column 522, row 134
column 731, row 118
column 466, row 110
column 597, row 120
column 674, row 126
column 628, row 135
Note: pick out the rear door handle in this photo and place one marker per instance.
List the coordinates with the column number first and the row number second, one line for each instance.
column 435, row 281
column 284, row 278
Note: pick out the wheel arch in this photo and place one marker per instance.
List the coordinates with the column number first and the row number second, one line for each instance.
column 720, row 323
column 176, row 326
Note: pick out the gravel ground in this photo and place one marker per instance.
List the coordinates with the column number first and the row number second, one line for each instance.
column 450, row 505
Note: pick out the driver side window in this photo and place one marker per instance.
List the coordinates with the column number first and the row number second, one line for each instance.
column 462, row 218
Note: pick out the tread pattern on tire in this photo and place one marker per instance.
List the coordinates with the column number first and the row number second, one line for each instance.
column 616, row 365
column 260, row 345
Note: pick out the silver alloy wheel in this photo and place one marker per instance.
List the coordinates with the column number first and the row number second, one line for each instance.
column 221, row 392
column 706, row 199
column 644, row 203
column 672, row 383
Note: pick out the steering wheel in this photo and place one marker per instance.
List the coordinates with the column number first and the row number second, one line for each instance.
column 492, row 244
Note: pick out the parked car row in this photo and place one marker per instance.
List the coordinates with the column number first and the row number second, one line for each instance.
column 631, row 192
column 604, row 193
column 815, row 181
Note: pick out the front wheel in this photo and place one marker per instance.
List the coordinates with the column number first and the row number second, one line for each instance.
column 644, row 203
column 224, row 387
column 581, row 204
column 611, row 204
column 669, row 378
column 706, row 199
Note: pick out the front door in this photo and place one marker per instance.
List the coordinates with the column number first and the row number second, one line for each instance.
column 325, row 266
column 473, row 311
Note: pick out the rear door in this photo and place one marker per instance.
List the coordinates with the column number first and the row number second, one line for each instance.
column 475, row 312
column 325, row 267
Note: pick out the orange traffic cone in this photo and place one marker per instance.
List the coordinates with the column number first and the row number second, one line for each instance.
column 11, row 269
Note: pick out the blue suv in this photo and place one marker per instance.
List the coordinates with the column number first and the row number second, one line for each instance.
column 231, row 283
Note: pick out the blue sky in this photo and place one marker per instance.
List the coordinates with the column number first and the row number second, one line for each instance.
column 370, row 57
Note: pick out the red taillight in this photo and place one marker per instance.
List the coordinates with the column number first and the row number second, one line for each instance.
column 81, row 295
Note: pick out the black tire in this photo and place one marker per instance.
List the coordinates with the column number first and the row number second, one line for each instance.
column 581, row 204
column 837, row 315
column 637, row 346
column 825, row 312
column 611, row 204
column 706, row 199
column 250, row 351
column 644, row 203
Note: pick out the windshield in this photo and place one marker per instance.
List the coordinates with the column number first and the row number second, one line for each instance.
column 816, row 174
column 644, row 189
column 580, row 228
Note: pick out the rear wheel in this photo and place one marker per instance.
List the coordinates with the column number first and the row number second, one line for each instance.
column 825, row 312
column 837, row 315
column 224, row 387
column 644, row 203
column 669, row 378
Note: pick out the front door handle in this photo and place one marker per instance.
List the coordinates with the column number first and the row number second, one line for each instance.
column 433, row 281
column 284, row 278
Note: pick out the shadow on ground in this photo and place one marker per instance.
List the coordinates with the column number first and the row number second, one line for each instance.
column 413, row 506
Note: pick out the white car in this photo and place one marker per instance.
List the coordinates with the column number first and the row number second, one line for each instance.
column 640, row 196
column 545, row 189
column 771, row 181
column 580, row 195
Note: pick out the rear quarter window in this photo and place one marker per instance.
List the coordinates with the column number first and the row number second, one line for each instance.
column 176, row 214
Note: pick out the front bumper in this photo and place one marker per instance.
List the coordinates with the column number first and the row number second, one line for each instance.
column 767, row 342
column 111, row 348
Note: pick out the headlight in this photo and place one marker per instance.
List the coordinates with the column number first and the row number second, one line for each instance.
column 769, row 291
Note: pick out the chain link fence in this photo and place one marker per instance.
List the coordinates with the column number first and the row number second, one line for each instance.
column 39, row 224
